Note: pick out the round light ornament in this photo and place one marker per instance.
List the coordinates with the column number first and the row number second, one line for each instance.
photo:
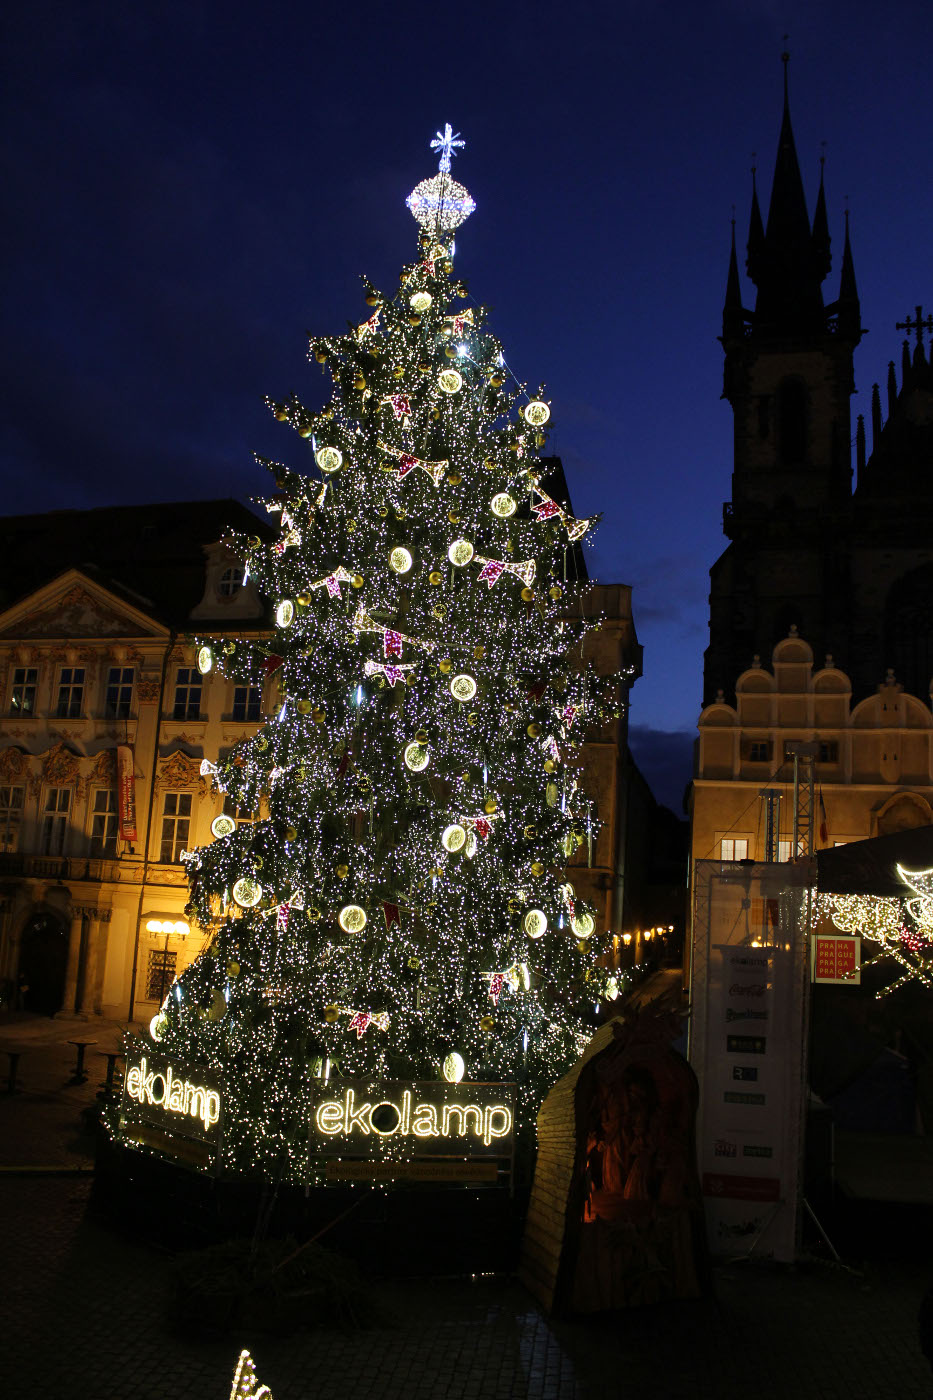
column 460, row 553
column 157, row 1026
column 583, row 924
column 205, row 660
column 223, row 825
column 536, row 413
column 535, row 923
column 463, row 687
column 420, row 302
column 450, row 381
column 454, row 838
column 417, row 756
column 454, row 1067
column 352, row 918
column 400, row 559
column 285, row 613
column 503, row 505
column 329, row 459
column 472, row 845
column 247, row 892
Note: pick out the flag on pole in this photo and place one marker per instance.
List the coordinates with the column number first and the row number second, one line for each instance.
column 824, row 829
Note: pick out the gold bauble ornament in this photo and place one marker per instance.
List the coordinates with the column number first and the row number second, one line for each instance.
column 291, row 833
column 533, row 731
column 331, row 1014
column 321, row 356
column 304, row 707
column 487, row 1023
column 318, row 716
column 479, row 653
column 306, row 431
column 582, row 945
column 549, row 765
column 530, row 833
column 304, row 599
column 398, row 372
column 555, row 591
column 444, row 665
column 414, row 320
column 466, row 776
column 453, row 517
column 359, row 382
column 421, row 737
column 537, row 868
column 496, row 381
column 356, row 581
column 343, row 871
column 528, row 595
column 454, row 478
column 435, row 578
column 281, row 414
column 233, row 968
column 450, row 351
column 473, row 718
column 489, row 805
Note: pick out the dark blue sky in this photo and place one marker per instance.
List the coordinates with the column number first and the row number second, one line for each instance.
column 192, row 186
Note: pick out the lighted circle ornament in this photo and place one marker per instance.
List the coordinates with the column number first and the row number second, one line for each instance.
column 535, row 923
column 421, row 302
column 460, row 553
column 400, row 560
column 536, row 413
column 417, row 756
column 285, row 612
column 454, row 838
column 223, row 825
column 503, row 505
column 352, row 918
column 454, row 1067
column 441, row 204
column 205, row 660
column 472, row 845
column 329, row 459
column 463, row 687
column 583, row 924
column 450, row 380
column 157, row 1026
column 247, row 892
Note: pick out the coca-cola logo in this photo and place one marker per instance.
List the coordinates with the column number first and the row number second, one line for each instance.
column 748, row 989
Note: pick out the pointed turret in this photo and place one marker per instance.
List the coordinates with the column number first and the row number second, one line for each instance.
column 819, row 238
column 733, row 315
column 848, row 310
column 755, row 248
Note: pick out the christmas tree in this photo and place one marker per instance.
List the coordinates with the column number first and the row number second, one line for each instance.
column 397, row 907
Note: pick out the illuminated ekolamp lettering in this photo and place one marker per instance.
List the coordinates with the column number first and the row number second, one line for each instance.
column 163, row 1089
column 347, row 1116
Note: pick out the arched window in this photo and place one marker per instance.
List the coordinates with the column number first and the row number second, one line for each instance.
column 230, row 581
column 792, row 421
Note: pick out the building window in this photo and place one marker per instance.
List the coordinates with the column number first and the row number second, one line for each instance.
column 246, row 702
column 11, row 816
column 160, row 973
column 70, row 692
column 187, row 694
column 230, row 581
column 829, row 752
column 239, row 814
column 759, row 751
column 119, row 697
column 104, row 823
column 176, row 822
column 55, row 820
column 734, row 848
column 23, row 695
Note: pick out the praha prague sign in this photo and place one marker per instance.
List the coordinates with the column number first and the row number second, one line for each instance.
column 382, row 1119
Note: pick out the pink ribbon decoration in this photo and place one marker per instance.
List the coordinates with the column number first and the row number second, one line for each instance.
column 491, row 572
column 400, row 404
column 359, row 1022
column 482, row 828
column 406, row 463
column 393, row 674
column 393, row 916
column 569, row 715
column 546, row 509
column 428, row 265
column 392, row 641
column 496, row 983
column 281, row 918
column 332, row 583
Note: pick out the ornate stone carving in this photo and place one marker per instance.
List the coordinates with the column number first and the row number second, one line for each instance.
column 76, row 614
column 180, row 771
column 14, row 765
column 104, row 771
column 147, row 691
column 60, row 767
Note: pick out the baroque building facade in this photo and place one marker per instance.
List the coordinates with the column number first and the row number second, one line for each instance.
column 98, row 660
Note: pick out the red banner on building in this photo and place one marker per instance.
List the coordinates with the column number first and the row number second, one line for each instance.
column 126, row 793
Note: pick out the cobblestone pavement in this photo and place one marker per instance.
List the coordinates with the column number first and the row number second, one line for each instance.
column 84, row 1312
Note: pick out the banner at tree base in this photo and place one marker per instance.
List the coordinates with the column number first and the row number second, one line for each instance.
column 381, row 1125
column 169, row 1106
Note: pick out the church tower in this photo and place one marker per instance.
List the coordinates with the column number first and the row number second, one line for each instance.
column 788, row 377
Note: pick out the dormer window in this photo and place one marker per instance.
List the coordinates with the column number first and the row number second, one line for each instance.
column 230, row 580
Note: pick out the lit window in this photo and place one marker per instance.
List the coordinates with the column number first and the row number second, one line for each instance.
column 70, row 692
column 187, row 694
column 247, row 700
column 230, row 581
column 119, row 697
column 11, row 816
column 55, row 820
column 23, row 696
column 161, row 973
column 239, row 814
column 104, row 823
column 734, row 849
column 176, row 822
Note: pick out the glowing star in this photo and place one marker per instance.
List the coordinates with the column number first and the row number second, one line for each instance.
column 205, row 660
column 535, row 923
column 454, row 1067
column 223, row 825
column 536, row 413
column 463, row 687
column 503, row 505
column 450, row 380
column 247, row 892
column 285, row 612
column 352, row 918
column 460, row 553
column 454, row 838
column 446, row 142
column 417, row 757
column 329, row 459
column 400, row 560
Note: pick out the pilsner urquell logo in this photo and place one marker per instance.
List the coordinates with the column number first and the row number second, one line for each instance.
column 165, row 1090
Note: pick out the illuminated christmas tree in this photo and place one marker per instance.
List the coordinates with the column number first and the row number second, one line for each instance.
column 397, row 907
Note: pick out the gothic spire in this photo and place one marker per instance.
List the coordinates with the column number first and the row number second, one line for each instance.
column 849, row 315
column 819, row 239
column 755, row 248
column 733, row 316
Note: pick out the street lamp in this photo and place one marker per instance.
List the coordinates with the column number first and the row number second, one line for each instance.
column 157, row 926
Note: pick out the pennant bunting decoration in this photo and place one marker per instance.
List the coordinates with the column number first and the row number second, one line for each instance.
column 545, row 508
column 406, row 462
column 333, row 581
column 391, row 673
column 393, row 915
column 492, row 570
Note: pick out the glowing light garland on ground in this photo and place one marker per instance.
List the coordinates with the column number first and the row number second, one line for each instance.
column 902, row 928
column 353, row 922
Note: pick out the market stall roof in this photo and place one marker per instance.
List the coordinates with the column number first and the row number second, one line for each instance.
column 870, row 867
